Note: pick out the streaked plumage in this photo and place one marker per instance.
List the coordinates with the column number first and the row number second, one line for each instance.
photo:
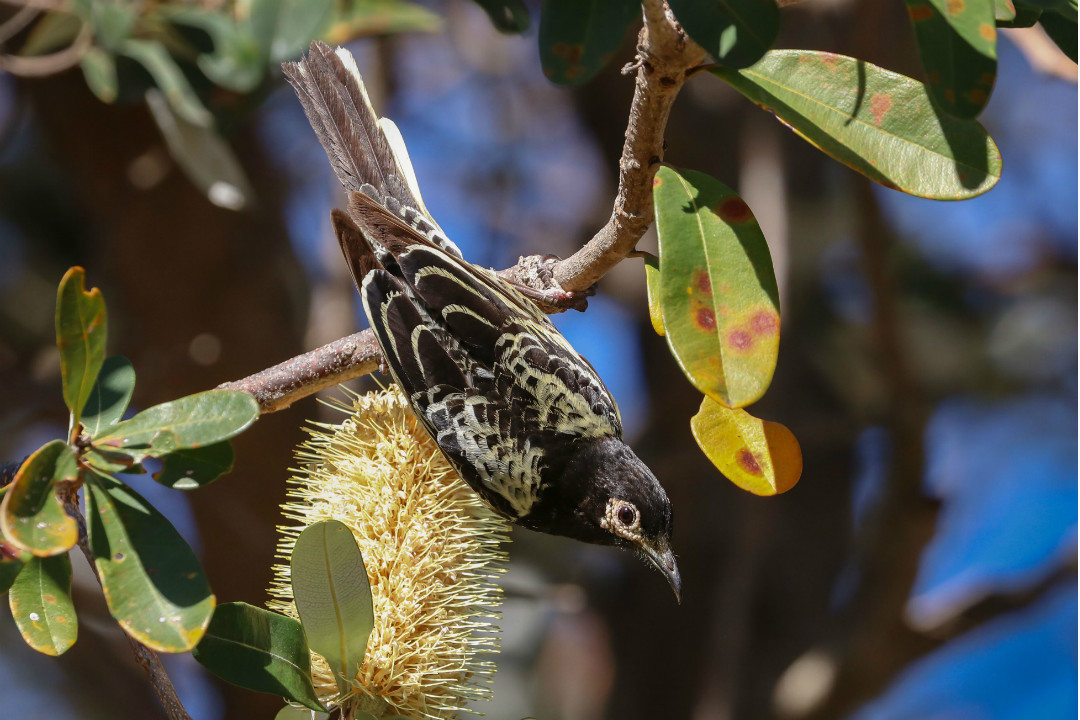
column 522, row 416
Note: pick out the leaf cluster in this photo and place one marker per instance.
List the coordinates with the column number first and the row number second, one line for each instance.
column 193, row 63
column 152, row 581
column 712, row 291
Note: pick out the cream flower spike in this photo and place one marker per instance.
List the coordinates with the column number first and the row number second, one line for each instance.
column 432, row 551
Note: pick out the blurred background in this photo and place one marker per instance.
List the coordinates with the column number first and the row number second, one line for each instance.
column 925, row 565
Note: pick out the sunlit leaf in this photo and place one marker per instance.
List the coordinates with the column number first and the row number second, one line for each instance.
column 40, row 601
column 168, row 77
column 293, row 712
column 195, row 467
column 110, row 395
column 377, row 17
column 205, row 157
column 958, row 44
column 1015, row 14
column 508, row 16
column 153, row 583
column 259, row 650
column 759, row 456
column 80, row 335
column 735, row 32
column 579, row 37
column 652, row 287
column 32, row 517
column 718, row 295
column 190, row 422
column 330, row 589
column 877, row 122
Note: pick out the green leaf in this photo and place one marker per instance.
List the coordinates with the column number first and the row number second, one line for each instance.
column 876, row 122
column 237, row 62
column 292, row 712
column 958, row 46
column 652, row 287
column 99, row 71
column 168, row 77
column 332, row 596
column 113, row 23
column 31, row 515
column 53, row 31
column 718, row 295
column 381, row 17
column 110, row 395
column 508, row 16
column 206, row 159
column 579, row 37
column 80, row 335
column 1015, row 14
column 285, row 28
column 190, row 422
column 153, row 584
column 759, row 456
column 1062, row 32
column 195, row 467
column 40, row 601
column 12, row 560
column 259, row 650
column 735, row 32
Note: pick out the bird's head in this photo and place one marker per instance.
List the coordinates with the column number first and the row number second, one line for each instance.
column 618, row 502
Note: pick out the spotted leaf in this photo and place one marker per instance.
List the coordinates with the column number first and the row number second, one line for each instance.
column 32, row 517
column 876, row 122
column 759, row 456
column 579, row 37
column 718, row 296
column 40, row 601
column 152, row 581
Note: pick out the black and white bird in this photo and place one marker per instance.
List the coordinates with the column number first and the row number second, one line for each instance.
column 518, row 412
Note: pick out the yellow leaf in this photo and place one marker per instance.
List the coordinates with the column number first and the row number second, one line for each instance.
column 759, row 456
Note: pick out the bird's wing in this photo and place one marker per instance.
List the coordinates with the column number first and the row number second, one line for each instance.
column 492, row 379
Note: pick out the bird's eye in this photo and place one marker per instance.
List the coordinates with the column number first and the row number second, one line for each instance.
column 627, row 515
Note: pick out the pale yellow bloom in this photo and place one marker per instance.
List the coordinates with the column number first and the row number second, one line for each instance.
column 432, row 552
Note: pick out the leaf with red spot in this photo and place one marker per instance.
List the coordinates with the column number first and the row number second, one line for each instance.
column 759, row 456
column 579, row 37
column 717, row 293
column 958, row 46
column 876, row 122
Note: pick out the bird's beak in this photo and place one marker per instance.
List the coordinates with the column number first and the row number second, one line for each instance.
column 663, row 560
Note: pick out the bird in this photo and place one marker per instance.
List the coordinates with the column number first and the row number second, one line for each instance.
column 523, row 418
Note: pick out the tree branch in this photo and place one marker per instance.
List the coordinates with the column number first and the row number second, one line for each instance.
column 279, row 387
column 666, row 59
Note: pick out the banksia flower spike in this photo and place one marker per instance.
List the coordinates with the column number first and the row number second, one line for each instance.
column 431, row 549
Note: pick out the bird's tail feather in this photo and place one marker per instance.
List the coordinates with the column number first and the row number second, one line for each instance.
column 367, row 153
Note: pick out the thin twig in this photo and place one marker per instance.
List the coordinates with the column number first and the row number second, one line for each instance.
column 665, row 54
column 49, row 64
column 14, row 25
